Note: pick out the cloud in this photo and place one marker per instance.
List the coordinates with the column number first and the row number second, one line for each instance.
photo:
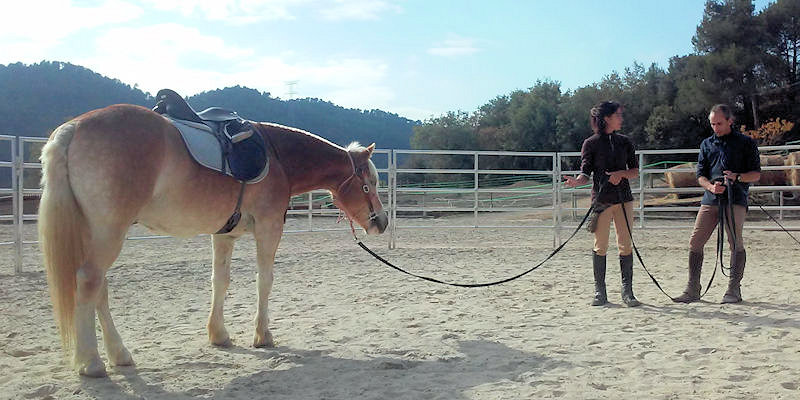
column 357, row 9
column 163, row 55
column 31, row 28
column 454, row 46
column 238, row 12
column 184, row 59
column 234, row 12
column 104, row 36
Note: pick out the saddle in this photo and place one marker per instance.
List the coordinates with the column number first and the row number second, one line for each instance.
column 217, row 138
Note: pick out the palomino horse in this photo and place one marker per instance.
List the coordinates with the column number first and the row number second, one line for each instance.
column 112, row 167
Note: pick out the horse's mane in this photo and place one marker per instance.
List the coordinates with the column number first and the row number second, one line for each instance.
column 300, row 132
column 355, row 146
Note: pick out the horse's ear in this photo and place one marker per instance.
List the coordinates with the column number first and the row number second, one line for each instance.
column 370, row 148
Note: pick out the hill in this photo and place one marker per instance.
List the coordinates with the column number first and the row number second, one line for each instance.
column 36, row 98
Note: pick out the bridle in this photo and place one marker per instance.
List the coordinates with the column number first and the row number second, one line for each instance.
column 370, row 195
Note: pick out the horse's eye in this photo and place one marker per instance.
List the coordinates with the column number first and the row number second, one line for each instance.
column 365, row 188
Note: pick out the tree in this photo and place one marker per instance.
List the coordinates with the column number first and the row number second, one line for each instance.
column 728, row 43
column 452, row 131
column 782, row 28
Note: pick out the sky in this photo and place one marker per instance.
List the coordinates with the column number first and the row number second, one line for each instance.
column 415, row 58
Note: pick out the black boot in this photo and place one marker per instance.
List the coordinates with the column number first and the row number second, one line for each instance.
column 599, row 266
column 626, row 268
column 692, row 292
column 734, row 293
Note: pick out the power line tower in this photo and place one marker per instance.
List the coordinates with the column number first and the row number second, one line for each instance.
column 290, row 105
column 291, row 92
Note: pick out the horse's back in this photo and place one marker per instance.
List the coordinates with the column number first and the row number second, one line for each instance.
column 115, row 158
column 132, row 165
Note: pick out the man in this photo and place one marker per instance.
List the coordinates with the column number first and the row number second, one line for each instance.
column 728, row 162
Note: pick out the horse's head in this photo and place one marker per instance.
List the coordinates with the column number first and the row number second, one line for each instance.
column 358, row 196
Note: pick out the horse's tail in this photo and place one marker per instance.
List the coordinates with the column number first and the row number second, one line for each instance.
column 63, row 230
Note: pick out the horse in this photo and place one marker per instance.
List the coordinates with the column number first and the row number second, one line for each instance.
column 112, row 167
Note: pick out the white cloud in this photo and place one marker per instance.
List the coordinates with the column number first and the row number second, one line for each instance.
column 357, row 9
column 231, row 11
column 240, row 12
column 31, row 28
column 102, row 35
column 454, row 46
column 164, row 55
column 184, row 59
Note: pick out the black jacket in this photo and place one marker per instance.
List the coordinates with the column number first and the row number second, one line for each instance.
column 734, row 152
column 608, row 153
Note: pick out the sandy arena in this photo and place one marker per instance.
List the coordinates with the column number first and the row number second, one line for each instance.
column 348, row 327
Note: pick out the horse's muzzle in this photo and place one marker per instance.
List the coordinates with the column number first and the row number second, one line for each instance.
column 378, row 223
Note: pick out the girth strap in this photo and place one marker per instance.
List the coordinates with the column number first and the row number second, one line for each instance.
column 237, row 214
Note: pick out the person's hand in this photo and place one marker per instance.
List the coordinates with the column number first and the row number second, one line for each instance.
column 718, row 188
column 571, row 182
column 730, row 176
column 615, row 177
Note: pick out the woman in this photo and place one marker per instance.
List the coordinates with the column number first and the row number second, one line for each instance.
column 609, row 158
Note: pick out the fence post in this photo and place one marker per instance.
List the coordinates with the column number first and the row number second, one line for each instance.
column 310, row 210
column 475, row 188
column 18, row 185
column 556, row 200
column 393, row 198
column 641, row 190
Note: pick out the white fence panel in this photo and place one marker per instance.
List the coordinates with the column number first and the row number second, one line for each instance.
column 484, row 190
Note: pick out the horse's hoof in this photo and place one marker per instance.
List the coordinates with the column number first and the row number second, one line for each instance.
column 264, row 340
column 94, row 368
column 222, row 343
column 219, row 336
column 120, row 358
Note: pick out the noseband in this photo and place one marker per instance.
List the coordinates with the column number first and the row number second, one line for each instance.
column 368, row 194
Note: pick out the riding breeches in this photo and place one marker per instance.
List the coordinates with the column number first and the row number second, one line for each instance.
column 601, row 234
column 708, row 219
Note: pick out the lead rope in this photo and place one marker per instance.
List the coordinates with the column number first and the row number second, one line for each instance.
column 471, row 285
column 636, row 249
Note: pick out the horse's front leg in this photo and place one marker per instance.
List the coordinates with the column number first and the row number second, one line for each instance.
column 222, row 246
column 267, row 236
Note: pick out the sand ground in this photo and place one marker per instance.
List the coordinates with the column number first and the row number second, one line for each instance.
column 347, row 327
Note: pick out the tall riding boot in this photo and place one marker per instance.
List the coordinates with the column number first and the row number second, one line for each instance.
column 734, row 293
column 626, row 268
column 692, row 292
column 599, row 266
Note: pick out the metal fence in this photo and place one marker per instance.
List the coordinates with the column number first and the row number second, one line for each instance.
column 466, row 183
column 563, row 205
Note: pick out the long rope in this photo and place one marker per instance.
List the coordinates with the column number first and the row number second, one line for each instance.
column 776, row 221
column 639, row 256
column 476, row 285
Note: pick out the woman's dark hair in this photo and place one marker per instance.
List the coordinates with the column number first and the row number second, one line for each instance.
column 598, row 114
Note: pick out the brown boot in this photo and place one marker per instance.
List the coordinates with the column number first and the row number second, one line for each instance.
column 599, row 267
column 734, row 293
column 692, row 292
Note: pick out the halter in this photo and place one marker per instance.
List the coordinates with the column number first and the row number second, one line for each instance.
column 368, row 194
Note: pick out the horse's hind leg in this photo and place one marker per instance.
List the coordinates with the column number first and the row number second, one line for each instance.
column 115, row 350
column 90, row 280
column 222, row 246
